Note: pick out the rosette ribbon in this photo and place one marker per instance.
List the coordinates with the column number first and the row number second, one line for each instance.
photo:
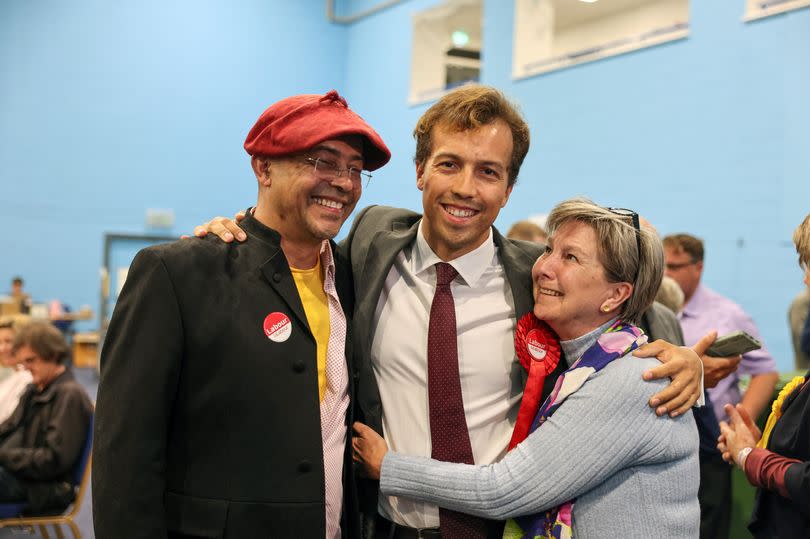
column 538, row 349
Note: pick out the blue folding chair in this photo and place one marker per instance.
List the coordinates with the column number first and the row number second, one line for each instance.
column 10, row 512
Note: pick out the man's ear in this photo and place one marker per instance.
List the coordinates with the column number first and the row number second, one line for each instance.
column 261, row 168
column 420, row 171
column 506, row 196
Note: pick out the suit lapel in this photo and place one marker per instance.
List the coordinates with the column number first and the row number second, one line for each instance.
column 517, row 264
column 381, row 254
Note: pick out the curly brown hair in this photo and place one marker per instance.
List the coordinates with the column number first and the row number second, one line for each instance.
column 470, row 107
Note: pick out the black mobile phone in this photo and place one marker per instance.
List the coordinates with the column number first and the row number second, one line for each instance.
column 733, row 344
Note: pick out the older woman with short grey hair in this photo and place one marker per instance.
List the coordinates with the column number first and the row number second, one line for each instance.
column 596, row 462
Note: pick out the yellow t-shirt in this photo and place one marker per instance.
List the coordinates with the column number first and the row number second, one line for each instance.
column 310, row 288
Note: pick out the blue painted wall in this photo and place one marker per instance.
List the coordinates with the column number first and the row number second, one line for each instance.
column 116, row 107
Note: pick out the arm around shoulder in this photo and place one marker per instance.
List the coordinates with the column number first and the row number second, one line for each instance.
column 578, row 448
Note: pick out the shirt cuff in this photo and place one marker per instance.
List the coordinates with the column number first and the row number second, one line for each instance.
column 702, row 398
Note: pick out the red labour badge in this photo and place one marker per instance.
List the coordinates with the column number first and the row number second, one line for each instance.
column 538, row 349
column 277, row 327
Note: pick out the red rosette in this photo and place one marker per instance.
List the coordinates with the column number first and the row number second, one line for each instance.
column 538, row 349
column 536, row 344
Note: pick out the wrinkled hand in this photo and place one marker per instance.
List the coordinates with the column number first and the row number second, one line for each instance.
column 369, row 449
column 740, row 432
column 717, row 368
column 226, row 229
column 683, row 366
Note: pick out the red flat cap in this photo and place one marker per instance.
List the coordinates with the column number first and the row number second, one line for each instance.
column 300, row 122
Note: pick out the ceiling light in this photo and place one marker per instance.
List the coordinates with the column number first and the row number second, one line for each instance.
column 460, row 38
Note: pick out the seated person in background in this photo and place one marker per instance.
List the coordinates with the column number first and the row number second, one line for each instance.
column 527, row 231
column 43, row 439
column 597, row 461
column 13, row 376
column 777, row 461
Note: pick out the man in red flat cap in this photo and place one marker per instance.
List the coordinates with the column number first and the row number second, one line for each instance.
column 224, row 396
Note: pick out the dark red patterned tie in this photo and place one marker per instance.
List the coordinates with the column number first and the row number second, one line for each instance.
column 449, row 437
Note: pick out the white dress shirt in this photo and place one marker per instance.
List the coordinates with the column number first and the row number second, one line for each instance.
column 491, row 383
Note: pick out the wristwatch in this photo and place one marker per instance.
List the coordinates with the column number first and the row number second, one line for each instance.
column 742, row 455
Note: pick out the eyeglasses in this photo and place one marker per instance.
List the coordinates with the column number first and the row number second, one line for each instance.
column 624, row 212
column 329, row 170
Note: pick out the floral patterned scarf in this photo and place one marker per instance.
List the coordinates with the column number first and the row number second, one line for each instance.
column 618, row 340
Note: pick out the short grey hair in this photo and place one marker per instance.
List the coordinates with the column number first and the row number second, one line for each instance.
column 618, row 251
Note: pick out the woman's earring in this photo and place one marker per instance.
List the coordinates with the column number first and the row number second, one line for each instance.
column 605, row 308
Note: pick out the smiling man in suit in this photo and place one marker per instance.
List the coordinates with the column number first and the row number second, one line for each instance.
column 225, row 382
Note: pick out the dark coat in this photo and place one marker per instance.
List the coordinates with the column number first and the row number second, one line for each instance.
column 43, row 439
column 377, row 236
column 204, row 426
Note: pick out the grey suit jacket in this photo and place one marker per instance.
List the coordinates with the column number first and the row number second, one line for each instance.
column 659, row 322
column 377, row 236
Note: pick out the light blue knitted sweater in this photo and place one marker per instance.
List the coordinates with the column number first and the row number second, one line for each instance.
column 633, row 474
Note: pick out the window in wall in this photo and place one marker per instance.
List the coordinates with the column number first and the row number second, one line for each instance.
column 758, row 9
column 446, row 48
column 554, row 34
